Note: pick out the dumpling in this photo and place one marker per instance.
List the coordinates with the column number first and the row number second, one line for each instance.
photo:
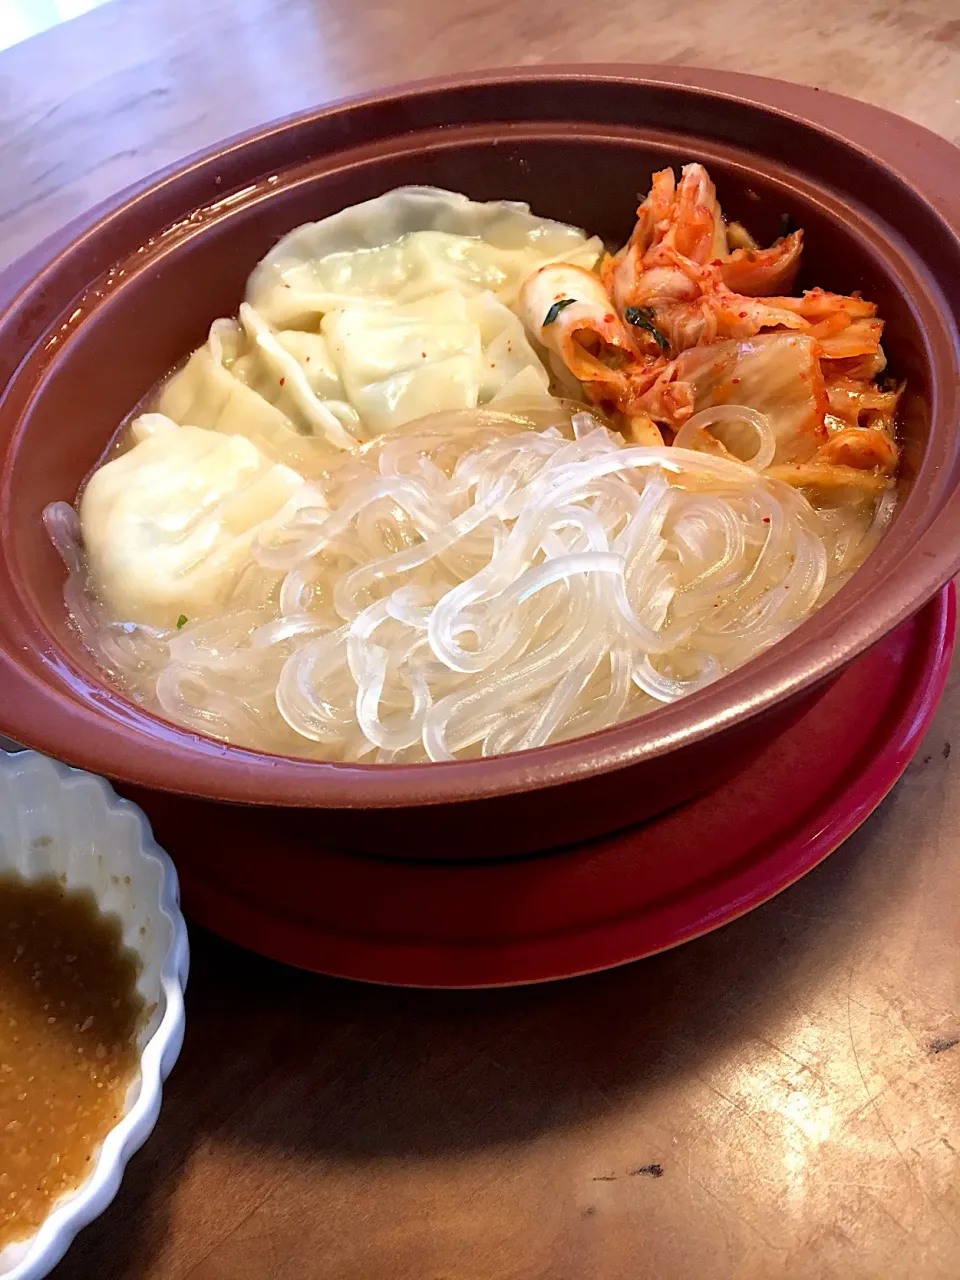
column 444, row 352
column 294, row 369
column 263, row 385
column 509, row 365
column 369, row 370
column 167, row 527
column 407, row 245
column 399, row 363
column 383, row 313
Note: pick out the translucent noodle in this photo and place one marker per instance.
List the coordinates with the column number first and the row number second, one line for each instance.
column 486, row 582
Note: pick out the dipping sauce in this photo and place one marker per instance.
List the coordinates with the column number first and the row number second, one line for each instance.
column 69, row 1014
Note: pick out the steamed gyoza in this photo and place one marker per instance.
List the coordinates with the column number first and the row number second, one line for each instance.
column 168, row 526
column 409, row 244
column 360, row 525
column 405, row 305
column 367, row 370
column 267, row 390
column 444, row 352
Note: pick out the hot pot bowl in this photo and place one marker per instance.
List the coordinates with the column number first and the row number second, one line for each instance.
column 92, row 320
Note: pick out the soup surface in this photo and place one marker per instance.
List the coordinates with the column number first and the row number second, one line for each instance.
column 460, row 480
column 69, row 1014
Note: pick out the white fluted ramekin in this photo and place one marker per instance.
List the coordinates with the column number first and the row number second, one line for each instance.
column 60, row 821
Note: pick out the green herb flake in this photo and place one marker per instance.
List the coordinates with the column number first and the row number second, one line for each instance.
column 182, row 621
column 642, row 318
column 556, row 309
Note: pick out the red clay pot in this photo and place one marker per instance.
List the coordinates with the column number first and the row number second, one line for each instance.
column 93, row 319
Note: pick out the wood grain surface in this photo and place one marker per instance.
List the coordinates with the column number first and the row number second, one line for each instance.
column 781, row 1098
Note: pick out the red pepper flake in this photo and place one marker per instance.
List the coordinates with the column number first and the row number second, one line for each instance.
column 608, row 319
column 423, row 355
column 766, row 519
column 287, row 286
column 743, row 315
column 734, row 381
column 282, row 381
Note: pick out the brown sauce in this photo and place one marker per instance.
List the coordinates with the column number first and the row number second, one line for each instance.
column 69, row 1014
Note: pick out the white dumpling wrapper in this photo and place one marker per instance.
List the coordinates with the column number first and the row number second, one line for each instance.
column 443, row 353
column 509, row 365
column 266, row 386
column 407, row 245
column 168, row 526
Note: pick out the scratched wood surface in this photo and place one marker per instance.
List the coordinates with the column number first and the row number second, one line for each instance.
column 780, row 1098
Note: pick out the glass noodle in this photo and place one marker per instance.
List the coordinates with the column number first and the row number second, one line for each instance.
column 486, row 581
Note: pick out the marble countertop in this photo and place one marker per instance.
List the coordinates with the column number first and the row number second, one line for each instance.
column 796, row 1075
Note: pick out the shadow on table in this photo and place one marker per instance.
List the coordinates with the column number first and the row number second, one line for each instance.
column 281, row 1060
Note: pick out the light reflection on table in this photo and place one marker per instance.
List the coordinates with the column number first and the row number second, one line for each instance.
column 21, row 19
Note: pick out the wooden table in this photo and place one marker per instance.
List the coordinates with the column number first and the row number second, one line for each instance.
column 796, row 1076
